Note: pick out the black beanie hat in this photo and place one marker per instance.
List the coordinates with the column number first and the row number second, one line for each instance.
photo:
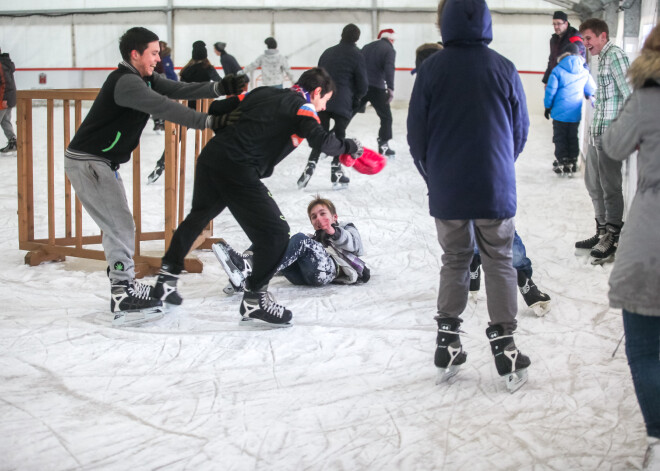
column 271, row 43
column 199, row 51
column 350, row 33
column 560, row 15
column 572, row 49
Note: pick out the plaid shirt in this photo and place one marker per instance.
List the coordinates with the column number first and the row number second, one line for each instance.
column 612, row 87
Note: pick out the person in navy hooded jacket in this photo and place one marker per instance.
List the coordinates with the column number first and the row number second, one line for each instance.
column 467, row 124
column 568, row 85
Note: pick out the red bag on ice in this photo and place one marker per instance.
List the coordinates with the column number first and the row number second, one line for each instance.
column 370, row 163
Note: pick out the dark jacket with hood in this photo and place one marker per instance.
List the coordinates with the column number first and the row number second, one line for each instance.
column 379, row 57
column 7, row 80
column 345, row 64
column 558, row 47
column 467, row 121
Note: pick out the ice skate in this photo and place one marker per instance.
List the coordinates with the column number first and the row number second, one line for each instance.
column 157, row 172
column 229, row 289
column 652, row 455
column 604, row 251
column 510, row 363
column 10, row 147
column 159, row 125
column 591, row 242
column 237, row 266
column 306, row 175
column 538, row 301
column 569, row 169
column 259, row 310
column 165, row 288
column 475, row 276
column 385, row 149
column 337, row 177
column 449, row 354
column 132, row 304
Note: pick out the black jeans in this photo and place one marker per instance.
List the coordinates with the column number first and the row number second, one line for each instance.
column 339, row 130
column 227, row 184
column 565, row 137
column 378, row 98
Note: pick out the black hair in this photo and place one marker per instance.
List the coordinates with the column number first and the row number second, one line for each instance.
column 316, row 77
column 350, row 33
column 271, row 43
column 135, row 39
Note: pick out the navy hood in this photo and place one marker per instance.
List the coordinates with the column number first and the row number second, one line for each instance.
column 466, row 21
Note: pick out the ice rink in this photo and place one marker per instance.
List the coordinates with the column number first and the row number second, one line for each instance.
column 351, row 386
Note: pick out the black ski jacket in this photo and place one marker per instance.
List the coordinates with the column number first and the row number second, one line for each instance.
column 557, row 46
column 345, row 64
column 272, row 123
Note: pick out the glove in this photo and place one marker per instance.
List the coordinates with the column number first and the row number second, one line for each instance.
column 217, row 122
column 231, row 84
column 390, row 95
column 547, row 113
column 353, row 148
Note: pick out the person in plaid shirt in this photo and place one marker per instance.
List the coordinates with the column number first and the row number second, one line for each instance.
column 603, row 175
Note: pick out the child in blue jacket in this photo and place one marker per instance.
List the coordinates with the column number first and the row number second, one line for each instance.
column 569, row 83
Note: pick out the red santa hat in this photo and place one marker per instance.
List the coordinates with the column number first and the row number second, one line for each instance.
column 386, row 33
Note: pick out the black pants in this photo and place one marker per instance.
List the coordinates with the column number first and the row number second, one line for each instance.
column 339, row 129
column 237, row 187
column 565, row 138
column 378, row 98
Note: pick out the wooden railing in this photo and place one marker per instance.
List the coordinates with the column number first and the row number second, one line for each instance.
column 66, row 237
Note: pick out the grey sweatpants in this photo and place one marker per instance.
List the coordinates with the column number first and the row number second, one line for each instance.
column 602, row 177
column 5, row 123
column 102, row 194
column 494, row 237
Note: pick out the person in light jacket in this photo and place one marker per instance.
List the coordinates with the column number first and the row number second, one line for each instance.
column 635, row 278
column 273, row 66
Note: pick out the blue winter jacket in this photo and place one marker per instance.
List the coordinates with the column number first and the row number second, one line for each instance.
column 467, row 121
column 568, row 84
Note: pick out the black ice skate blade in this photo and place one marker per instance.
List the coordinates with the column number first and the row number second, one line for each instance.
column 138, row 317
column 258, row 324
column 445, row 374
column 515, row 380
column 235, row 277
column 602, row 261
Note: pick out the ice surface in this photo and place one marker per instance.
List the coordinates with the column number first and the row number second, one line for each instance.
column 352, row 384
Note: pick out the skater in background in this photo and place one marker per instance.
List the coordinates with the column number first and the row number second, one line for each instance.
column 229, row 170
column 635, row 278
column 569, row 84
column 535, row 299
column 379, row 56
column 467, row 124
column 330, row 255
column 564, row 35
column 345, row 64
column 198, row 70
column 602, row 175
column 107, row 136
column 228, row 62
column 273, row 66
column 7, row 100
column 164, row 67
column 425, row 51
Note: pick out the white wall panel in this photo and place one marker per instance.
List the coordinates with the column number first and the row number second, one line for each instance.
column 97, row 36
column 37, row 41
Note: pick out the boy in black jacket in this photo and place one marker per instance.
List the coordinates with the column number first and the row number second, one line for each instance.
column 269, row 124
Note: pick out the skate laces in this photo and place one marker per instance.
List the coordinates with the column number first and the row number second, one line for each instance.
column 605, row 242
column 268, row 304
column 140, row 290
